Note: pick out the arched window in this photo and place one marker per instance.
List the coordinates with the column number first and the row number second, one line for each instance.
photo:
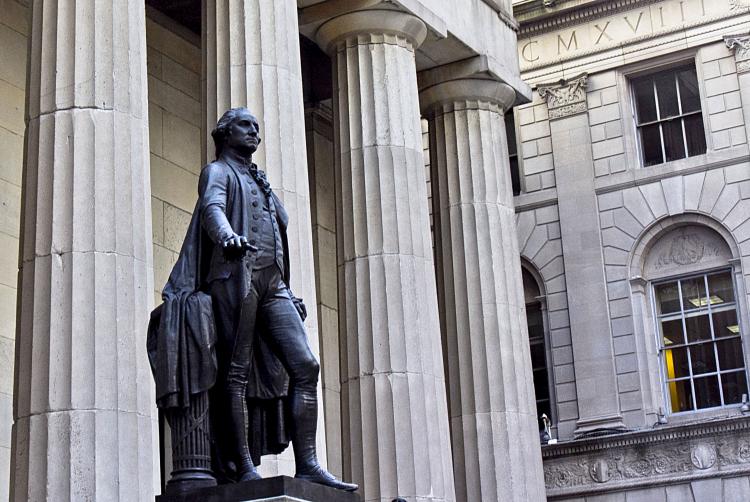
column 697, row 320
column 535, row 316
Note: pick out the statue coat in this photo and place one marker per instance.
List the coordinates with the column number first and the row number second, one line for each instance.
column 187, row 349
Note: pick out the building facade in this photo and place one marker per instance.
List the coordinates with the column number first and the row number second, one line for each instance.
column 500, row 210
column 634, row 228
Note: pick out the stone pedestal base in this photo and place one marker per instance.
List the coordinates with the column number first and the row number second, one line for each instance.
column 278, row 489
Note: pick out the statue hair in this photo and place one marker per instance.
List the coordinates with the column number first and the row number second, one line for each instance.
column 219, row 134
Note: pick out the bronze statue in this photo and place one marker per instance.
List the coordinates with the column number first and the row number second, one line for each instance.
column 234, row 371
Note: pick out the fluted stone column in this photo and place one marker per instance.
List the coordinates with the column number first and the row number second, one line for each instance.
column 251, row 58
column 494, row 427
column 395, row 423
column 84, row 394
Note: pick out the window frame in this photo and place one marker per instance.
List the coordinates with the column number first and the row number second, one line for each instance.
column 660, row 347
column 652, row 72
column 624, row 75
column 541, row 300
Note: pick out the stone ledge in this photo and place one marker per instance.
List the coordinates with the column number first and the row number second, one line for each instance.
column 276, row 489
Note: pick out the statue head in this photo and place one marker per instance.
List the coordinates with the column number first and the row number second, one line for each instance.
column 237, row 129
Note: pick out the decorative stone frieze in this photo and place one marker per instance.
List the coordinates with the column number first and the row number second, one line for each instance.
column 741, row 46
column 565, row 98
column 668, row 455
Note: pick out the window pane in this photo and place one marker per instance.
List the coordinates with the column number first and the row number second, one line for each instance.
column 541, row 384
column 693, row 293
column 645, row 103
column 689, row 94
column 696, row 137
column 680, row 396
column 515, row 175
column 703, row 358
column 510, row 132
column 698, row 328
column 668, row 298
column 672, row 332
column 677, row 363
column 725, row 323
column 734, row 385
column 720, row 288
column 651, row 142
column 538, row 359
column 674, row 143
column 666, row 93
column 707, row 392
column 730, row 354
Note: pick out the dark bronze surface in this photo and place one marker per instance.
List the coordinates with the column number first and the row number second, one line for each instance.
column 231, row 331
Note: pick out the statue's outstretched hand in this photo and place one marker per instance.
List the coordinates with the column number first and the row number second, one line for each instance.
column 236, row 246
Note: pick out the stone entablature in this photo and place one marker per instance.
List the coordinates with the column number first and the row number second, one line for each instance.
column 601, row 27
column 669, row 454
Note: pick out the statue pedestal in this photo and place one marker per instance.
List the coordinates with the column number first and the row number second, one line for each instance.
column 277, row 489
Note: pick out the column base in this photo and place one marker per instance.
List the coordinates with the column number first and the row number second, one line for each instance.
column 277, row 489
column 599, row 426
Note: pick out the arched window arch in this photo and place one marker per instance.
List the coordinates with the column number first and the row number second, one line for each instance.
column 536, row 317
column 695, row 300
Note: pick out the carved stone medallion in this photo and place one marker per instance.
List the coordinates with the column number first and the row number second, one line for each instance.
column 703, row 456
column 599, row 471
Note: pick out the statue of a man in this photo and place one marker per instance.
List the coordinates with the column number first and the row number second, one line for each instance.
column 230, row 330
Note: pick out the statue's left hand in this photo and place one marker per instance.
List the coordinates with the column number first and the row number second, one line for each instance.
column 300, row 306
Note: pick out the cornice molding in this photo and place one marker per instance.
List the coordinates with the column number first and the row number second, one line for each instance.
column 588, row 12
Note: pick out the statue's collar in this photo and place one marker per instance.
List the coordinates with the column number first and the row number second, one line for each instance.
column 237, row 160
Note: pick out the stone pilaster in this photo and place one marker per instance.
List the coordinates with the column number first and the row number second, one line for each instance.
column 395, row 423
column 494, row 426
column 84, row 393
column 740, row 44
column 251, row 58
column 593, row 354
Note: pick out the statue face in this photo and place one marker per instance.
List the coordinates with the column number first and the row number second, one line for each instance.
column 244, row 133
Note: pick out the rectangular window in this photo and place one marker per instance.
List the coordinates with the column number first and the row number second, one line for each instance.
column 700, row 342
column 668, row 115
column 510, row 132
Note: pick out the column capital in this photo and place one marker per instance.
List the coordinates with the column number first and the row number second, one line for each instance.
column 566, row 97
column 741, row 46
column 466, row 89
column 370, row 23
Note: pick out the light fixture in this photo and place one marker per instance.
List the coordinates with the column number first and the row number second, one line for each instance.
column 661, row 417
column 703, row 301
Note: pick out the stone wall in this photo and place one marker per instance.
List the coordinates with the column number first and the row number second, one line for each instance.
column 535, row 147
column 13, row 40
column 541, row 248
column 319, row 135
column 174, row 67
